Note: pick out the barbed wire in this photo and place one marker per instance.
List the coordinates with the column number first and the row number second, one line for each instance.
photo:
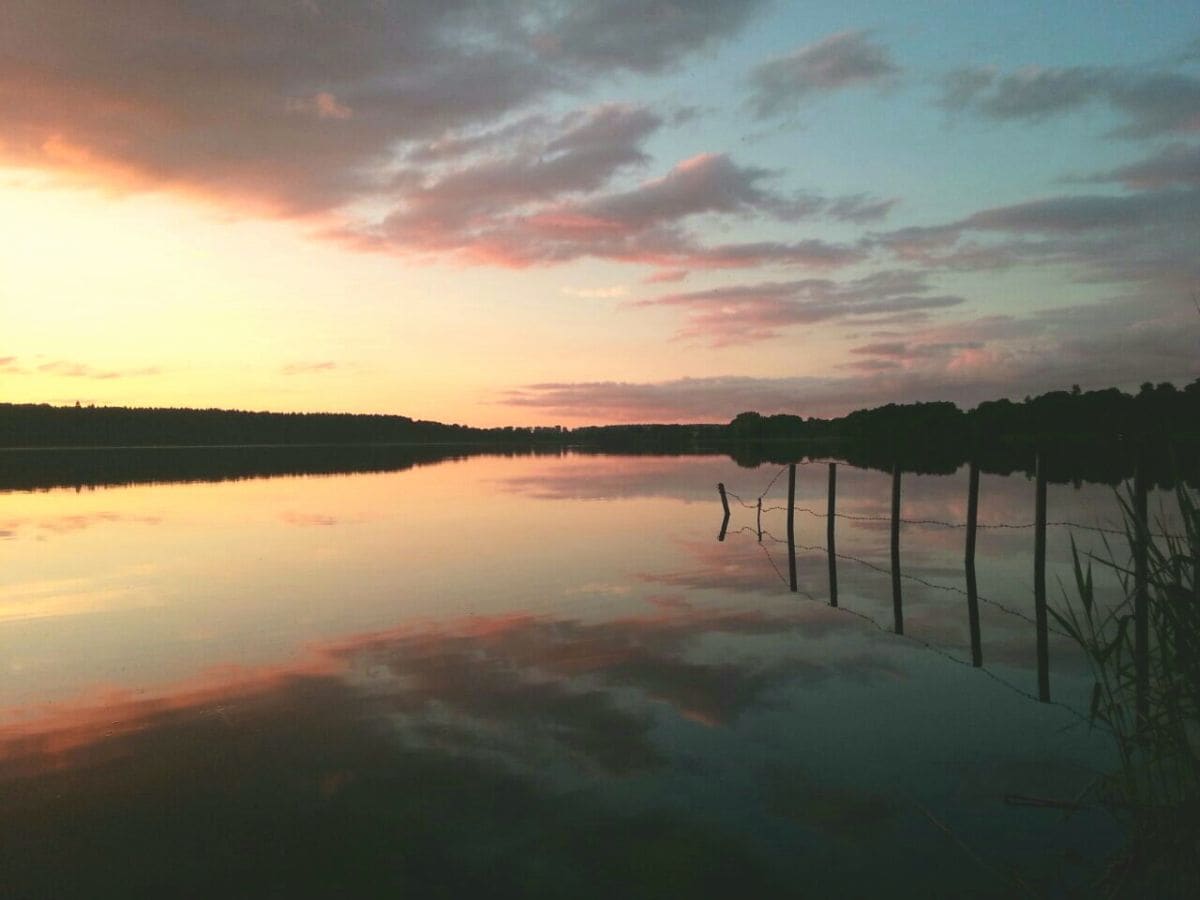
column 937, row 523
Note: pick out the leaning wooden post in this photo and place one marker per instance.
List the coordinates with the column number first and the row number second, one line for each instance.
column 897, row 608
column 972, row 587
column 760, row 520
column 830, row 545
column 1141, row 601
column 1039, row 582
column 724, row 506
column 791, row 526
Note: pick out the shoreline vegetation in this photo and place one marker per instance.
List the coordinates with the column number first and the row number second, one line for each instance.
column 1095, row 436
column 1144, row 652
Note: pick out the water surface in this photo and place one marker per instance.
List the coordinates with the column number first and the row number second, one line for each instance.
column 536, row 676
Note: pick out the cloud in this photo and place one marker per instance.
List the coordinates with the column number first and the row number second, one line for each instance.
column 860, row 208
column 901, row 350
column 666, row 276
column 711, row 399
column 404, row 127
column 752, row 312
column 302, row 107
column 844, row 60
column 710, row 182
column 600, row 293
column 1141, row 244
column 1075, row 214
column 523, row 207
column 1096, row 345
column 1153, row 103
column 306, row 368
column 1143, row 241
column 604, row 35
column 67, row 369
column 1176, row 165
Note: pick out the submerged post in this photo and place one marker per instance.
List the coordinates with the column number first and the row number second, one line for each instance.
column 830, row 545
column 897, row 608
column 1039, row 582
column 791, row 526
column 725, row 507
column 1141, row 597
column 972, row 587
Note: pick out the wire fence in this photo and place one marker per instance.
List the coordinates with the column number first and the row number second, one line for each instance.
column 928, row 645
column 907, row 576
column 935, row 523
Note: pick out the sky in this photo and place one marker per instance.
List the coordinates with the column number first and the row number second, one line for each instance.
column 523, row 212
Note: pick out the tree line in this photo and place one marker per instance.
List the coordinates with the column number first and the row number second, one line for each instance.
column 1155, row 412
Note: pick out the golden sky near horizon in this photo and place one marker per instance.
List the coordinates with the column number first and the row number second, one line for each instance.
column 561, row 212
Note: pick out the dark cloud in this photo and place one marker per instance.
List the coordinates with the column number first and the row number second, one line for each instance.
column 1153, row 103
column 1143, row 243
column 1176, row 165
column 1073, row 214
column 711, row 182
column 847, row 59
column 860, row 208
column 639, row 35
column 522, row 208
column 301, row 107
column 745, row 313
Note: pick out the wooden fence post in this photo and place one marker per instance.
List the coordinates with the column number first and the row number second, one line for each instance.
column 897, row 607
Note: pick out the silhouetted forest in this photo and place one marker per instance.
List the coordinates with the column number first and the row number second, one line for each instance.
column 1081, row 436
column 1156, row 411
column 41, row 425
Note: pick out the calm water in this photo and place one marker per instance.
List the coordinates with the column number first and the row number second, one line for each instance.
column 533, row 676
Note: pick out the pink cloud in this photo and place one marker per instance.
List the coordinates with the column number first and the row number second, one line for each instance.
column 304, row 368
column 67, row 369
column 523, row 207
column 752, row 312
column 666, row 276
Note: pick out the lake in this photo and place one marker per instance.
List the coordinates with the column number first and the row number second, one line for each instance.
column 541, row 676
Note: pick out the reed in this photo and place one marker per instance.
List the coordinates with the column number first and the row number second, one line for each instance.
column 1148, row 697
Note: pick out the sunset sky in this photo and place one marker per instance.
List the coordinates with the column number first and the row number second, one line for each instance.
column 552, row 212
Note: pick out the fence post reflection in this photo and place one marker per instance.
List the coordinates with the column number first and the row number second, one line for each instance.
column 791, row 526
column 972, row 587
column 1039, row 582
column 830, row 544
column 897, row 608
